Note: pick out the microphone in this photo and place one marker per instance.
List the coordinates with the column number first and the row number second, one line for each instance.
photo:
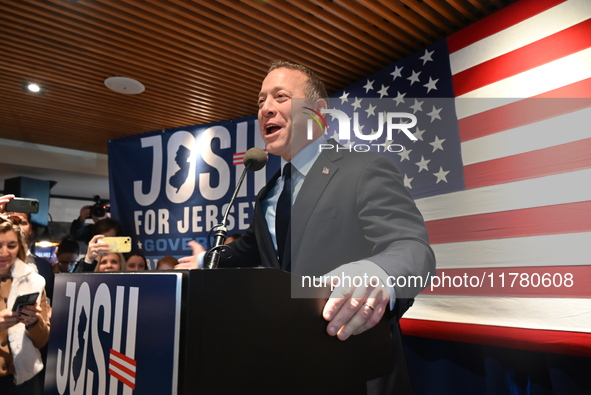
column 254, row 160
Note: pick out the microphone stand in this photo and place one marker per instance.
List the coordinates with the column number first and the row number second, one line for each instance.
column 213, row 256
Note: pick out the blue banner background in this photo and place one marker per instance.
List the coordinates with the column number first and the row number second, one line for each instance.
column 171, row 186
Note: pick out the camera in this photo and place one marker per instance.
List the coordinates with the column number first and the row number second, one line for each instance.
column 98, row 209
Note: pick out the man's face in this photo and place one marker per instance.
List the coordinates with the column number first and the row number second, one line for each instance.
column 275, row 118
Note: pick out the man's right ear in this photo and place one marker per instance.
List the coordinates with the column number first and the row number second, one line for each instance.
column 321, row 104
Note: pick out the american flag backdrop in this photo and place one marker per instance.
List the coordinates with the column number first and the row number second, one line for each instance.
column 501, row 171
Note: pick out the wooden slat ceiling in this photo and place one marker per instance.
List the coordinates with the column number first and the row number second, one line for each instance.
column 201, row 61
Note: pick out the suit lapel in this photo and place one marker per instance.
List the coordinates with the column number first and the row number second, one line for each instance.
column 318, row 178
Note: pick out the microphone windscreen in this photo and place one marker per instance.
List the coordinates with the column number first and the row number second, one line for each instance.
column 255, row 159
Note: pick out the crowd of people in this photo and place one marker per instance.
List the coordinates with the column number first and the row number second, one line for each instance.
column 23, row 348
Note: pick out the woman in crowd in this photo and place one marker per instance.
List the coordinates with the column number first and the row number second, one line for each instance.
column 24, row 332
column 110, row 262
column 135, row 261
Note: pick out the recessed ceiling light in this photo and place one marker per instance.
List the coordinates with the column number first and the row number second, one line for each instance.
column 124, row 85
column 34, row 88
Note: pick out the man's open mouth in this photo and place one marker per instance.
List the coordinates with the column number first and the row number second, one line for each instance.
column 271, row 128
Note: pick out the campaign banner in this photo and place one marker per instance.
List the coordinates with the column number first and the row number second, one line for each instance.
column 173, row 186
column 114, row 333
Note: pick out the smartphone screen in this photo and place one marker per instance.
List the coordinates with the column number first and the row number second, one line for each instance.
column 25, row 300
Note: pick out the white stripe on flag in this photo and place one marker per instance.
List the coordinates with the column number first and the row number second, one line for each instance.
column 544, row 191
column 548, row 250
column 533, row 29
column 548, row 133
column 563, row 314
column 530, row 83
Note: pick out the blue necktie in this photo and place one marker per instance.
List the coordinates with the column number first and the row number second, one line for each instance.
column 283, row 214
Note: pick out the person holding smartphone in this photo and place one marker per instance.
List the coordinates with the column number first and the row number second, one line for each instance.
column 24, row 331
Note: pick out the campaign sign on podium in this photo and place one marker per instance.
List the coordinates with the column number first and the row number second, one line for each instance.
column 114, row 333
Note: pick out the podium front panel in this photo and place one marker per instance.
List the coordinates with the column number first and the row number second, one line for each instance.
column 114, row 333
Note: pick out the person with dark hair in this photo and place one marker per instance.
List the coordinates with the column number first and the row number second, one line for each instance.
column 79, row 230
column 106, row 227
column 67, row 255
column 135, row 261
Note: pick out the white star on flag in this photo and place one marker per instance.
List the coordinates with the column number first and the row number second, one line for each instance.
column 423, row 164
column 407, row 181
column 437, row 144
column 414, row 77
column 434, row 114
column 427, row 57
column 396, row 73
column 344, row 97
column 441, row 175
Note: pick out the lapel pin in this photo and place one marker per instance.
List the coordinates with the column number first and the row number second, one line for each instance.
column 326, row 170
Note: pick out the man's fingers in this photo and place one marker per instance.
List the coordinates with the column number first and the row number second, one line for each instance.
column 357, row 314
column 337, row 299
column 375, row 314
column 342, row 305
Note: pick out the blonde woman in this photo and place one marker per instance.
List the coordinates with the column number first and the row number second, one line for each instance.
column 24, row 332
column 110, row 262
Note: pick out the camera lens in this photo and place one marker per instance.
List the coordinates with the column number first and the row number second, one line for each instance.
column 97, row 210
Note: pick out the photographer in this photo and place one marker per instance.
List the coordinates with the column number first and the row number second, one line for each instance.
column 82, row 232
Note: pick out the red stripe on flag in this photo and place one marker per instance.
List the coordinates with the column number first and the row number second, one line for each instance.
column 547, row 220
column 123, row 357
column 532, row 282
column 499, row 21
column 556, row 46
column 524, row 112
column 543, row 162
column 574, row 343
column 122, row 379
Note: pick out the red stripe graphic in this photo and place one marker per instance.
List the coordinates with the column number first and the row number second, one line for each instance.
column 122, row 379
column 556, row 46
column 564, row 342
column 124, row 357
column 114, row 366
column 122, row 367
column 547, row 220
column 544, row 162
column 524, row 112
column 533, row 282
column 499, row 21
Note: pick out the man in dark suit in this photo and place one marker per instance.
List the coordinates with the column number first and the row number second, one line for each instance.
column 352, row 216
